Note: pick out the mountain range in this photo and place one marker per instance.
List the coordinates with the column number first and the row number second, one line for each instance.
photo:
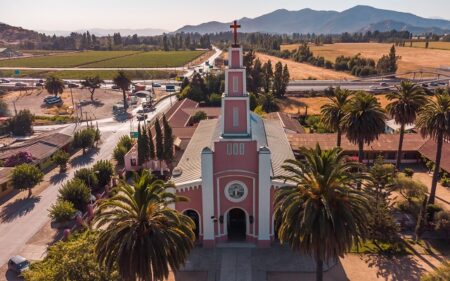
column 108, row 31
column 356, row 19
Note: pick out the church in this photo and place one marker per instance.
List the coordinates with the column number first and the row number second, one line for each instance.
column 228, row 169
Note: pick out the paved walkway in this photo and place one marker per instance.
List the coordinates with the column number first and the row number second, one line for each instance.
column 442, row 192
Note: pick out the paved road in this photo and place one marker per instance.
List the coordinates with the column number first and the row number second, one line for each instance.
column 15, row 234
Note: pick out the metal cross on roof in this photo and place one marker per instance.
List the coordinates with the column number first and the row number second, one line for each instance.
column 235, row 27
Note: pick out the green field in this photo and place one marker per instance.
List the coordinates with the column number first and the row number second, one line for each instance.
column 99, row 59
column 66, row 59
column 81, row 74
column 151, row 59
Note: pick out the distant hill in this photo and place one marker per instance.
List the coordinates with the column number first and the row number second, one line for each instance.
column 106, row 32
column 12, row 34
column 400, row 26
column 327, row 22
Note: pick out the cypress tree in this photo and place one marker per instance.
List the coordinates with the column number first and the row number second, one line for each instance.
column 141, row 149
column 278, row 80
column 285, row 80
column 159, row 141
column 151, row 144
column 168, row 140
column 145, row 144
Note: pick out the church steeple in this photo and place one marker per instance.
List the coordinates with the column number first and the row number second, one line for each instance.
column 235, row 100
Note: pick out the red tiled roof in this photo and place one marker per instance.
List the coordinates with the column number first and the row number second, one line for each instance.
column 429, row 151
column 210, row 111
column 183, row 132
column 385, row 142
column 286, row 120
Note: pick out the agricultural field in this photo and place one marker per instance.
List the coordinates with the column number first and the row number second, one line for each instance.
column 297, row 105
column 411, row 58
column 150, row 59
column 65, row 59
column 301, row 71
column 431, row 45
column 101, row 59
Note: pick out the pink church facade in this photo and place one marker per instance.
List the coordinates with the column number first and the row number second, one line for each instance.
column 227, row 171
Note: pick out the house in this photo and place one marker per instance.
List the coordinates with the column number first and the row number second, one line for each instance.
column 5, row 181
column 393, row 127
column 9, row 53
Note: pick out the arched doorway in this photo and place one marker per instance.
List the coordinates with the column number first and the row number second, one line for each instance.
column 195, row 217
column 236, row 225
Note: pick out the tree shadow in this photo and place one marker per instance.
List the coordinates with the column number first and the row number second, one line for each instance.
column 97, row 103
column 18, row 208
column 12, row 276
column 57, row 178
column 396, row 268
column 85, row 159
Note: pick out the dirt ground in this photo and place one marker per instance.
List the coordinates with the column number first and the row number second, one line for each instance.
column 411, row 58
column 33, row 100
column 300, row 71
column 297, row 105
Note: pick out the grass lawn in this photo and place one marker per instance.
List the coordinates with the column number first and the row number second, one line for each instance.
column 65, row 59
column 151, row 59
column 394, row 248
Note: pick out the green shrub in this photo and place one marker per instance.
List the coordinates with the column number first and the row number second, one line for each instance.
column 408, row 172
column 61, row 158
column 77, row 192
column 104, row 171
column 21, row 124
column 411, row 206
column 431, row 210
column 442, row 273
column 85, row 138
column 215, row 99
column 119, row 154
column 62, row 211
column 87, row 176
column 199, row 116
column 442, row 221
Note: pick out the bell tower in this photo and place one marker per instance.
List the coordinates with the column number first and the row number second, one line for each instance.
column 235, row 100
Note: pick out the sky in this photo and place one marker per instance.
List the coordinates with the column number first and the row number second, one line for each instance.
column 173, row 14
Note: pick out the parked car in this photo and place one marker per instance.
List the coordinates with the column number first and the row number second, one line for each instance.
column 4, row 80
column 115, row 87
column 425, row 85
column 73, row 85
column 39, row 84
column 434, row 84
column 384, row 84
column 50, row 100
column 18, row 264
column 156, row 85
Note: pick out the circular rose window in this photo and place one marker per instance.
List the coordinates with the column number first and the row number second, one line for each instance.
column 236, row 192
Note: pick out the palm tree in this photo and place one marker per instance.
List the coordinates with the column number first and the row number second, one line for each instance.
column 405, row 103
column 140, row 233
column 334, row 111
column 363, row 121
column 320, row 212
column 123, row 82
column 54, row 85
column 434, row 121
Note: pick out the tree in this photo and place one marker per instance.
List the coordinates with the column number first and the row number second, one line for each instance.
column 146, row 142
column 159, row 141
column 54, row 85
column 71, row 260
column 168, row 140
column 92, row 83
column 268, row 102
column 334, row 111
column 85, row 138
column 267, row 76
column 26, row 176
column 184, row 83
column 123, row 82
column 320, row 212
column 123, row 146
column 141, row 148
column 434, row 121
column 76, row 192
column 405, row 103
column 22, row 123
column 255, row 81
column 151, row 145
column 285, row 80
column 363, row 121
column 104, row 171
column 388, row 63
column 277, row 87
column 61, row 158
column 4, row 111
column 62, row 211
column 161, row 236
column 87, row 176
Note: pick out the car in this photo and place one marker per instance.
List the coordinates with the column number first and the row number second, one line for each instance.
column 21, row 84
column 156, row 85
column 18, row 264
column 442, row 83
column 425, row 85
column 4, row 80
column 141, row 117
column 434, row 84
column 384, row 84
column 39, row 84
column 115, row 87
column 52, row 100
column 41, row 81
column 73, row 85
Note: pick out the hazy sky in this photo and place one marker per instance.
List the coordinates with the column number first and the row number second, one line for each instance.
column 172, row 14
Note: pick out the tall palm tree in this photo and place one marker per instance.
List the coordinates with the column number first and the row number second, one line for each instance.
column 54, row 85
column 334, row 111
column 123, row 82
column 405, row 103
column 434, row 121
column 363, row 121
column 320, row 212
column 139, row 232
